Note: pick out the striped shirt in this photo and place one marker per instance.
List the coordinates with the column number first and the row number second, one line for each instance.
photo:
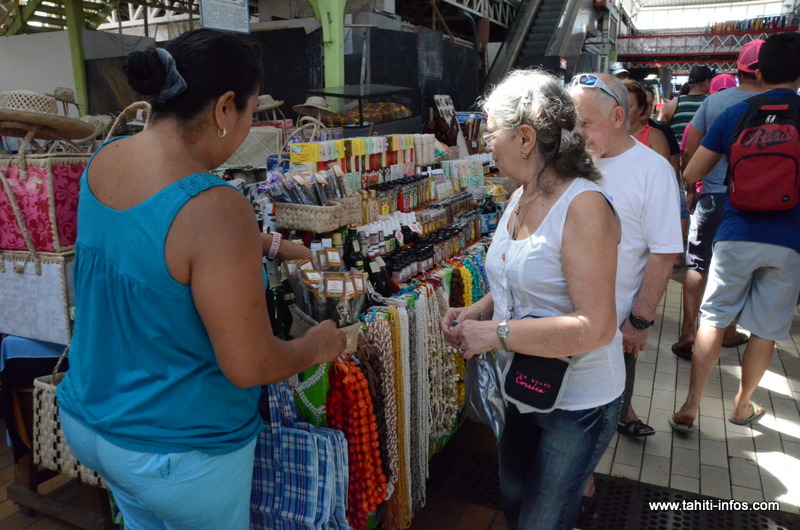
column 687, row 106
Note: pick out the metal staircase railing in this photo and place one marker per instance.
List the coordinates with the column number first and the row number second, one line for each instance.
column 512, row 46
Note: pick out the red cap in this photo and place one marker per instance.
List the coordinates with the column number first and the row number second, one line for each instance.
column 748, row 56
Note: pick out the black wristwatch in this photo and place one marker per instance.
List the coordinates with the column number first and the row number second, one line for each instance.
column 639, row 322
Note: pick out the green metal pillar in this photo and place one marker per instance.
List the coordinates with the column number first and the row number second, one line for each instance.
column 331, row 14
column 75, row 24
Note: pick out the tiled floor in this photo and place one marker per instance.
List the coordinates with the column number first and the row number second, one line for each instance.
column 720, row 460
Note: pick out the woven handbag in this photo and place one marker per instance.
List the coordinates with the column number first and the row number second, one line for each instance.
column 300, row 471
column 50, row 449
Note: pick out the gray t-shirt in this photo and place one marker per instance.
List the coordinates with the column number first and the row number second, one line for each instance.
column 712, row 107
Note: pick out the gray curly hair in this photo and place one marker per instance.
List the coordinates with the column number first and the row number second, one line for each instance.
column 536, row 98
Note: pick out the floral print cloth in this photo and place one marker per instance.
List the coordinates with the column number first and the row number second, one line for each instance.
column 49, row 178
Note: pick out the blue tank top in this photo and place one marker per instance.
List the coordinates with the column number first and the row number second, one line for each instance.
column 143, row 373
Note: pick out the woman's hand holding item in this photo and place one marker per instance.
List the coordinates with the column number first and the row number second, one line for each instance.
column 328, row 341
column 459, row 314
column 473, row 337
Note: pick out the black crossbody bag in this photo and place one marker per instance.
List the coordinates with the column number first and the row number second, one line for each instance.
column 537, row 382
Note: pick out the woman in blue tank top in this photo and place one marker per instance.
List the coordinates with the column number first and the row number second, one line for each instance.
column 172, row 339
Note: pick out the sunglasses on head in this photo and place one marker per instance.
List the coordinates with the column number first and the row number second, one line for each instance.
column 592, row 81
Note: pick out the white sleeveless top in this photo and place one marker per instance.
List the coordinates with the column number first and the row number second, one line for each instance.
column 526, row 278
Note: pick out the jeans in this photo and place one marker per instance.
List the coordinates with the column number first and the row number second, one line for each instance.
column 190, row 490
column 546, row 460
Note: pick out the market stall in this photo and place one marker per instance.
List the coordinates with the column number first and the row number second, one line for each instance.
column 396, row 232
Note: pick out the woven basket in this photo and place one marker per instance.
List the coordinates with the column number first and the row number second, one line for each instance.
column 317, row 219
column 256, row 148
column 351, row 213
column 50, row 449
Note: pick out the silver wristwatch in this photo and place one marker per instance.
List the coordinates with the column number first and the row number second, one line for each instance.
column 502, row 334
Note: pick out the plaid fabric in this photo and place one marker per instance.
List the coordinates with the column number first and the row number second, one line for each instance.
column 297, row 479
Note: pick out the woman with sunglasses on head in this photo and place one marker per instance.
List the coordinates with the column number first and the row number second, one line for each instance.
column 172, row 338
column 553, row 258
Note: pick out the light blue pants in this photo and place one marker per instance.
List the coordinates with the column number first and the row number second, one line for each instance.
column 190, row 490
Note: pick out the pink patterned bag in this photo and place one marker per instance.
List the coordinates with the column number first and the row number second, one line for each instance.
column 43, row 198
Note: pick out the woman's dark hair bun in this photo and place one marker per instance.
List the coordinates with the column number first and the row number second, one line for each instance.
column 145, row 72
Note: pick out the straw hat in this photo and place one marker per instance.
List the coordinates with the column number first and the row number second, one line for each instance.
column 67, row 95
column 266, row 102
column 314, row 106
column 22, row 111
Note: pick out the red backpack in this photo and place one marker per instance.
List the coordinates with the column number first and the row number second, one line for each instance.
column 764, row 156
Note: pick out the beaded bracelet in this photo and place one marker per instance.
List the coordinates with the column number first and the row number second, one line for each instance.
column 276, row 243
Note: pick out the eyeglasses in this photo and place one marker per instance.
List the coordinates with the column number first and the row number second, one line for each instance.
column 487, row 137
column 592, row 81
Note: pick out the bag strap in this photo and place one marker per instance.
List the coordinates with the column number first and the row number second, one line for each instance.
column 60, row 360
column 128, row 112
column 305, row 123
column 282, row 410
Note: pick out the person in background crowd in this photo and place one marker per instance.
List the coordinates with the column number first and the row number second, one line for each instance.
column 674, row 147
column 754, row 268
column 655, row 139
column 707, row 212
column 172, row 338
column 679, row 111
column 619, row 71
column 553, row 256
column 721, row 82
column 639, row 126
column 640, row 184
column 643, row 191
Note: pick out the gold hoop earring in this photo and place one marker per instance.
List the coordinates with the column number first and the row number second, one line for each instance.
column 524, row 156
column 222, row 132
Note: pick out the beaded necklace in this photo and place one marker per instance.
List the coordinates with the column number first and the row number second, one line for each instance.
column 446, row 378
column 419, row 397
column 398, row 510
column 380, row 336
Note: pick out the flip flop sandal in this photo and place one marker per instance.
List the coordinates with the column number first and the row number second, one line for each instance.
column 741, row 338
column 635, row 429
column 683, row 428
column 758, row 411
column 684, row 352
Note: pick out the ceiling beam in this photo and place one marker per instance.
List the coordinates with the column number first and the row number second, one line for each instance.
column 25, row 14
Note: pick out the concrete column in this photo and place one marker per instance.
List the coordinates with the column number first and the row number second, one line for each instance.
column 666, row 83
column 76, row 21
column 331, row 14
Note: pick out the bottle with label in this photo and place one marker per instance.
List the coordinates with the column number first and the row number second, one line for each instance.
column 285, row 309
column 275, row 301
column 353, row 253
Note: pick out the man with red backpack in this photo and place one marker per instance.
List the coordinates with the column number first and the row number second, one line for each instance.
column 756, row 262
